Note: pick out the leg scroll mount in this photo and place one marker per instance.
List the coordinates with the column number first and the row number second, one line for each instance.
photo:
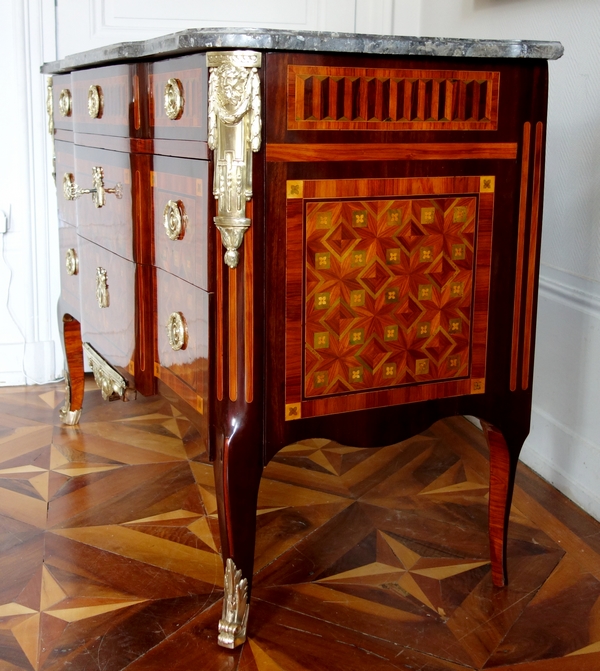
column 232, row 625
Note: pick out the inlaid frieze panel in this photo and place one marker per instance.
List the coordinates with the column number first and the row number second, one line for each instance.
column 387, row 289
column 342, row 98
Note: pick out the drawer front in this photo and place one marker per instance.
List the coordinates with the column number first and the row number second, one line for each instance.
column 69, row 269
column 65, row 165
column 110, row 330
column 105, row 101
column 111, row 225
column 190, row 363
column 62, row 102
column 179, row 193
column 182, row 79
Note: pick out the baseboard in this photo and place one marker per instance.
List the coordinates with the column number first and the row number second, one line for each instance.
column 567, row 460
column 27, row 363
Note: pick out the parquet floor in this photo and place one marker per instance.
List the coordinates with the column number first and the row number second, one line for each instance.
column 366, row 559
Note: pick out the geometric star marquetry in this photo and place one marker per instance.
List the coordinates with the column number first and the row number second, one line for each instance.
column 400, row 569
column 365, row 558
column 25, row 621
column 375, row 265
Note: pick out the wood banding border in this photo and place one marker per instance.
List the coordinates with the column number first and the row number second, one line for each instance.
column 179, row 387
column 219, row 344
column 249, row 311
column 294, row 341
column 514, row 360
column 298, row 153
column 232, row 334
column 533, row 244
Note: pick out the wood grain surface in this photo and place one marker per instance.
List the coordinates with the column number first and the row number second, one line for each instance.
column 390, row 151
column 365, row 559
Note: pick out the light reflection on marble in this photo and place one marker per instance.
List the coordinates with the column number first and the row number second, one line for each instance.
column 201, row 39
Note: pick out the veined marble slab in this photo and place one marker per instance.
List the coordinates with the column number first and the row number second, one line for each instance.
column 203, row 39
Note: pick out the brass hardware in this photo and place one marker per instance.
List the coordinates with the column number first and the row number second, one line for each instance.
column 72, row 262
column 68, row 416
column 95, row 101
column 177, row 332
column 69, row 186
column 72, row 191
column 65, row 103
column 112, row 384
column 102, row 288
column 234, row 620
column 174, row 99
column 50, row 105
column 174, row 219
column 234, row 132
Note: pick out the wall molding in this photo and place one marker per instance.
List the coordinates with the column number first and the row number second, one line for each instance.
column 572, row 291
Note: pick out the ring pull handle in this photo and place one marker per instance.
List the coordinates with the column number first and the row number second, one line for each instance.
column 177, row 331
column 95, row 101
column 174, row 99
column 72, row 262
column 65, row 103
column 174, row 219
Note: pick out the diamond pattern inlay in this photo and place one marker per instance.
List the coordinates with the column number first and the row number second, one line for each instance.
column 391, row 282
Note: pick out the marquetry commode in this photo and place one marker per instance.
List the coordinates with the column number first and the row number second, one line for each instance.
column 297, row 235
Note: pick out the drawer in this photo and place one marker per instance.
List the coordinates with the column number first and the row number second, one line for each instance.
column 190, row 363
column 62, row 102
column 106, row 101
column 69, row 269
column 65, row 165
column 111, row 226
column 178, row 79
column 110, row 330
column 179, row 194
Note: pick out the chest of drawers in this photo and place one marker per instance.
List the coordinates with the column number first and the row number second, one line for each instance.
column 304, row 235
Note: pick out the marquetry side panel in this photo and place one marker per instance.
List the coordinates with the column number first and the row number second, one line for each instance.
column 343, row 98
column 387, row 291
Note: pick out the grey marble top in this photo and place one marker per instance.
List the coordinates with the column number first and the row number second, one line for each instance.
column 203, row 39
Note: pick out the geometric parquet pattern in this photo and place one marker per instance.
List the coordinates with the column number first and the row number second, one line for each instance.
column 366, row 559
column 389, row 288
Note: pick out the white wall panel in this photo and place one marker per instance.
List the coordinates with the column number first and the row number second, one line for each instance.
column 564, row 444
column 374, row 16
column 406, row 18
column 84, row 24
column 29, row 348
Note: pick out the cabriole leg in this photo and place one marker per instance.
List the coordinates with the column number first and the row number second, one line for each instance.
column 503, row 467
column 237, row 479
column 74, row 373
